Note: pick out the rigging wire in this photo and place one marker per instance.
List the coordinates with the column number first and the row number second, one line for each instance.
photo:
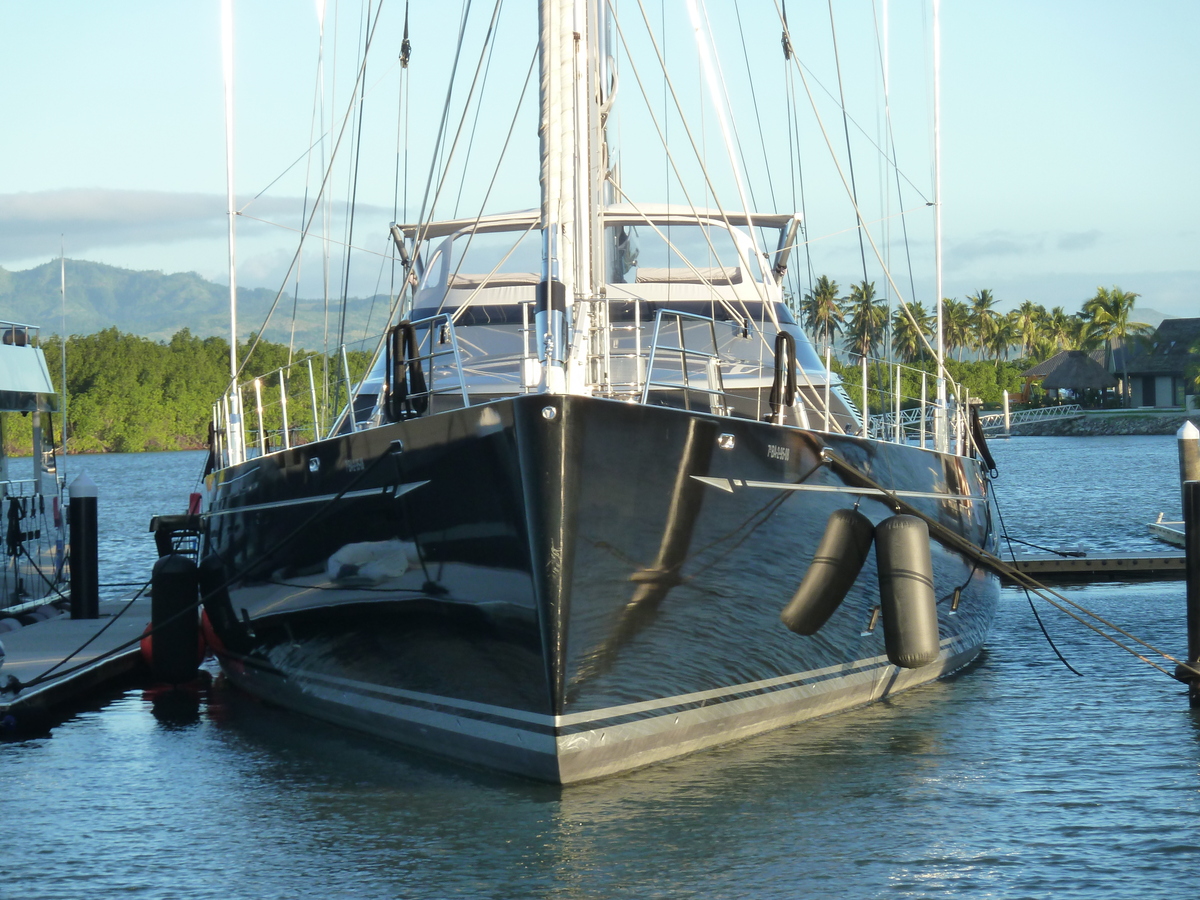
column 474, row 125
column 423, row 229
column 489, row 37
column 797, row 170
column 849, row 156
column 362, row 98
column 402, row 106
column 479, row 216
column 697, row 150
column 487, row 196
column 893, row 162
column 762, row 137
column 321, row 193
column 942, row 371
column 441, row 131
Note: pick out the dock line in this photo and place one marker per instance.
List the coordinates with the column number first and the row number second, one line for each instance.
column 1000, row 567
column 14, row 685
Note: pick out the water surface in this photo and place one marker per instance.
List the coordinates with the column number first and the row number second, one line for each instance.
column 1015, row 779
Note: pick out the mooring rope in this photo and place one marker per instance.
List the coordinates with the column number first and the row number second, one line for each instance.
column 1029, row 597
column 994, row 563
column 14, row 685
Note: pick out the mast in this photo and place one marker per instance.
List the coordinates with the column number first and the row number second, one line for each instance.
column 556, row 21
column 573, row 56
column 235, row 408
column 941, row 441
column 62, row 256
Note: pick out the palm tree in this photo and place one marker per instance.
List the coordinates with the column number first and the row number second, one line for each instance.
column 1005, row 333
column 1083, row 336
column 983, row 317
column 1109, row 313
column 1056, row 329
column 867, row 319
column 1028, row 316
column 909, row 341
column 956, row 326
column 821, row 312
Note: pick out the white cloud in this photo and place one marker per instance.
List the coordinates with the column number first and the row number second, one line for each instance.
column 1079, row 240
column 991, row 246
column 32, row 223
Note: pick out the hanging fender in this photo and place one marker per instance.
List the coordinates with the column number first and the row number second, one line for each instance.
column 980, row 440
column 783, row 388
column 406, row 395
column 906, row 597
column 839, row 558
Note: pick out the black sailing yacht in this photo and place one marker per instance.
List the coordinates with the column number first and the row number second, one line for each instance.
column 598, row 502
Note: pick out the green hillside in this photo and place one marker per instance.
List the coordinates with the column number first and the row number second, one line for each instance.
column 157, row 305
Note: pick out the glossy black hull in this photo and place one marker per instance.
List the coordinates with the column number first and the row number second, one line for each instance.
column 565, row 587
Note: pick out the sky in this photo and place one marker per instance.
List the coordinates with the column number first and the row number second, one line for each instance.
column 1068, row 135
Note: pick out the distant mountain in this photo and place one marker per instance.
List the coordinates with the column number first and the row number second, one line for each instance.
column 156, row 305
column 1151, row 317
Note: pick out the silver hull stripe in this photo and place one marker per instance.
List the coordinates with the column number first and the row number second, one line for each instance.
column 574, row 723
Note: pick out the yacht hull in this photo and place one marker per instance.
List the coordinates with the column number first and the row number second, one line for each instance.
column 565, row 587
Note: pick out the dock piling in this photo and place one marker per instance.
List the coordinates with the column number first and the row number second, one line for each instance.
column 85, row 554
column 1188, row 437
column 1191, row 520
column 175, row 642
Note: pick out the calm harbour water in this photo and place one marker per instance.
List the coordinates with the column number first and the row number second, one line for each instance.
column 1015, row 779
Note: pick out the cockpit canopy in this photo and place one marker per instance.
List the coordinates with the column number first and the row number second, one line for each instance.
column 649, row 254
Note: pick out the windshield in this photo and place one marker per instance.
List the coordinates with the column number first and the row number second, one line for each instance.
column 481, row 259
column 677, row 253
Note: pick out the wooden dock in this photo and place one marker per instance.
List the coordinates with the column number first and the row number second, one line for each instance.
column 33, row 649
column 1111, row 567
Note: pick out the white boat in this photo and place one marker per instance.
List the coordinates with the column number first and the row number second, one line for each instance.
column 556, row 527
column 33, row 575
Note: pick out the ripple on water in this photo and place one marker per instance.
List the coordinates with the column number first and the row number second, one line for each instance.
column 1016, row 779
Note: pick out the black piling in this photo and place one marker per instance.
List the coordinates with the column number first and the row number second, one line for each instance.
column 174, row 620
column 1191, row 544
column 85, row 554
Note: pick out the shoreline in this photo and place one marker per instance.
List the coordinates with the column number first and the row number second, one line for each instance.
column 1107, row 423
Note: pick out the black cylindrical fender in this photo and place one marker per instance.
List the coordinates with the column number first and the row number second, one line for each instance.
column 839, row 558
column 907, row 600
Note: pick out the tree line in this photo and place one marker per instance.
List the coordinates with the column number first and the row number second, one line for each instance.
column 127, row 393
column 972, row 326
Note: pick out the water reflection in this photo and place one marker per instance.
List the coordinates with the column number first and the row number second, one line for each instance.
column 1018, row 779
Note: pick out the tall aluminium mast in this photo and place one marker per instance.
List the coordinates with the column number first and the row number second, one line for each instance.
column 235, row 397
column 941, row 441
column 556, row 41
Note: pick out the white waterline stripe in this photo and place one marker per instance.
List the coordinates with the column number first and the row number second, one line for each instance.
column 390, row 490
column 728, row 485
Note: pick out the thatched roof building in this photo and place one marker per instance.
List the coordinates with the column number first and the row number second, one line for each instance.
column 1076, row 371
column 1071, row 370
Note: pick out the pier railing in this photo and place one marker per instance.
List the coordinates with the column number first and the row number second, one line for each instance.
column 993, row 421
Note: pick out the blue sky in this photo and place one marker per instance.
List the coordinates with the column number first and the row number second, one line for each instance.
column 1069, row 134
